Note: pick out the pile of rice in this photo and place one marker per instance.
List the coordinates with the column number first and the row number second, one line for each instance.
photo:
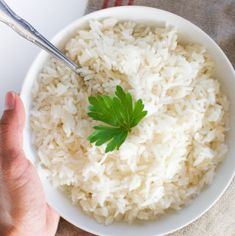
column 167, row 158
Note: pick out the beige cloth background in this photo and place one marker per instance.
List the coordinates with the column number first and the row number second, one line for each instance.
column 217, row 18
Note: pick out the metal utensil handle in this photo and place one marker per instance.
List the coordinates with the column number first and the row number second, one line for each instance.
column 26, row 30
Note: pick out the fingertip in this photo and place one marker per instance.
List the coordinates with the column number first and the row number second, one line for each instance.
column 10, row 100
column 12, row 124
column 14, row 110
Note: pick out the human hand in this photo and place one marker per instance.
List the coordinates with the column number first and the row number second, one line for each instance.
column 23, row 208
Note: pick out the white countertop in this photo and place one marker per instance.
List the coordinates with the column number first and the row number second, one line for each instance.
column 17, row 54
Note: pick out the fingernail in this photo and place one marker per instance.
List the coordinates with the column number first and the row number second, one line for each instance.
column 10, row 101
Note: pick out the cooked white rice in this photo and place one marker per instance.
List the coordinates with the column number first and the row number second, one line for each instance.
column 167, row 158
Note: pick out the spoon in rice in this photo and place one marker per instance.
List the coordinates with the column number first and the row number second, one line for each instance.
column 27, row 31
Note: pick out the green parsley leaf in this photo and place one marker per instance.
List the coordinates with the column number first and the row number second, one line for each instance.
column 118, row 113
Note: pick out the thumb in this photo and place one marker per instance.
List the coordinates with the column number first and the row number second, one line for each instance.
column 11, row 125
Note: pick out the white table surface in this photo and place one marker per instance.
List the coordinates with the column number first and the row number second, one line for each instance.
column 17, row 54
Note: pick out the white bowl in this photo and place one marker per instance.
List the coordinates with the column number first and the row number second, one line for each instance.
column 167, row 223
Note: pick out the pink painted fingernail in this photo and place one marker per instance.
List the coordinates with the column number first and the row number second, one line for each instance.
column 10, row 101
